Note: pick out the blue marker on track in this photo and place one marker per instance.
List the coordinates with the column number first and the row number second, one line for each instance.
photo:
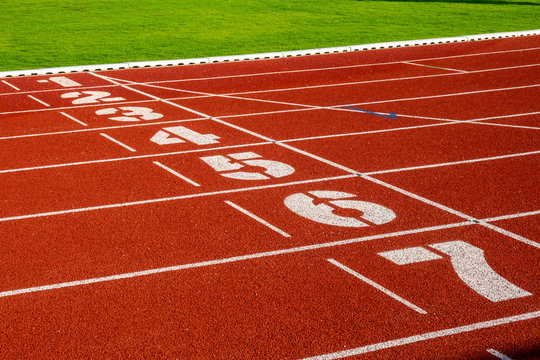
column 391, row 115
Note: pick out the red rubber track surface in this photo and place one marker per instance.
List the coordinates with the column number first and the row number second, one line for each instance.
column 371, row 205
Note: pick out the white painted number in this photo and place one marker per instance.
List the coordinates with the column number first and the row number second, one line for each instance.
column 61, row 80
column 90, row 97
column 470, row 265
column 179, row 134
column 304, row 205
column 130, row 113
column 227, row 166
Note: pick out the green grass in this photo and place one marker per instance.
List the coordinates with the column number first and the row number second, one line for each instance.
column 46, row 33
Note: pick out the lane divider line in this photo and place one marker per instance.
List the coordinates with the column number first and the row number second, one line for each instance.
column 435, row 67
column 117, row 142
column 228, row 260
column 171, row 198
column 258, row 219
column 39, row 101
column 175, row 173
column 427, row 336
column 354, row 172
column 11, row 86
column 377, row 286
column 74, row 119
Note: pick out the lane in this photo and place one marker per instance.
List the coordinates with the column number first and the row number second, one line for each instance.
column 195, row 229
column 479, row 189
column 422, row 146
column 290, row 306
column 326, row 60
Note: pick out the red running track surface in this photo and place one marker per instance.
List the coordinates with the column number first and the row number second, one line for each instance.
column 371, row 205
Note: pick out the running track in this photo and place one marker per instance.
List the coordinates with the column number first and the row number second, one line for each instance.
column 374, row 205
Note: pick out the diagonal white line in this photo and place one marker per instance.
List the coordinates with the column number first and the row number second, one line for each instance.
column 10, row 85
column 377, row 286
column 39, row 101
column 435, row 67
column 256, row 218
column 74, row 119
column 426, row 336
column 175, row 173
column 117, row 142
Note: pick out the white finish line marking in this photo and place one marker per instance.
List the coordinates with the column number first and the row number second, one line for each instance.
column 256, row 218
column 498, row 354
column 176, row 173
column 74, row 119
column 377, row 286
column 11, row 85
column 118, row 142
column 39, row 101
column 426, row 336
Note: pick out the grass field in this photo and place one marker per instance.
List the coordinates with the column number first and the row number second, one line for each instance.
column 37, row 34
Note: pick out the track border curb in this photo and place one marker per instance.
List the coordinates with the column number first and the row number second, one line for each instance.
column 264, row 56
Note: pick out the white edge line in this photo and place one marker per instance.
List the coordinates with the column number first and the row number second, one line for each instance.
column 74, row 119
column 256, row 218
column 426, row 336
column 227, row 260
column 262, row 56
column 39, row 101
column 498, row 354
column 118, row 142
column 377, row 286
column 176, row 173
column 11, row 85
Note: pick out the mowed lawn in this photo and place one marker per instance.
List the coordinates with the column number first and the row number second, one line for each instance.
column 48, row 33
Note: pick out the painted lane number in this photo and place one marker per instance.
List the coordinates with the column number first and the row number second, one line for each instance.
column 130, row 113
column 468, row 262
column 90, row 97
column 227, row 166
column 310, row 206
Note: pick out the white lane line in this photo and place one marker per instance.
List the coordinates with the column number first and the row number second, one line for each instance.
column 321, row 69
column 74, row 119
column 127, row 158
column 498, row 354
column 512, row 216
column 256, row 218
column 451, row 163
column 202, row 94
column 436, row 67
column 175, row 173
column 228, row 260
column 172, row 198
column 118, row 142
column 377, row 286
column 334, row 164
column 235, row 258
column 426, row 336
column 454, row 212
column 11, row 86
column 39, row 101
column 343, row 67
